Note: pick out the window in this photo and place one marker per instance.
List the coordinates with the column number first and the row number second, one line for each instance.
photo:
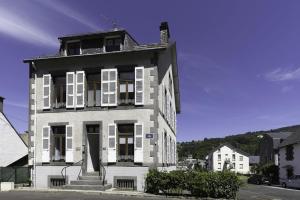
column 126, row 142
column 233, row 165
column 219, row 157
column 241, row 166
column 290, row 172
column 289, row 152
column 73, row 48
column 170, row 84
column 126, row 87
column 59, row 92
column 113, row 44
column 59, row 143
column 94, row 90
column 219, row 165
column 226, row 155
column 233, row 157
column 241, row 158
column 92, row 128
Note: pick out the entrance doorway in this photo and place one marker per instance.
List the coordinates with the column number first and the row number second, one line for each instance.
column 59, row 144
column 93, row 148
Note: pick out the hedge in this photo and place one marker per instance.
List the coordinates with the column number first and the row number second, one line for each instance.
column 198, row 184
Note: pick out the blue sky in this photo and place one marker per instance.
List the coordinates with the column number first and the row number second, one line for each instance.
column 239, row 60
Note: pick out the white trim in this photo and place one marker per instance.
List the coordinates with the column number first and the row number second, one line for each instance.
column 138, row 151
column 109, row 82
column 142, row 91
column 83, row 89
column 49, row 95
column 112, row 151
column 67, row 90
column 69, row 151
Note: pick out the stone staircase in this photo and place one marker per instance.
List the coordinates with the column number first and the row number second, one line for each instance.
column 89, row 181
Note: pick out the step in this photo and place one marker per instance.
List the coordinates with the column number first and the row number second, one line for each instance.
column 91, row 174
column 87, row 187
column 89, row 178
column 88, row 182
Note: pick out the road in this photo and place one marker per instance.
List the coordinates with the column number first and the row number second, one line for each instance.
column 264, row 192
column 35, row 195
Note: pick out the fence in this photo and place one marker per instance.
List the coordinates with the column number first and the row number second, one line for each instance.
column 17, row 175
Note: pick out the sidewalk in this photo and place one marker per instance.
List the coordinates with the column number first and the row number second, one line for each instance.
column 111, row 191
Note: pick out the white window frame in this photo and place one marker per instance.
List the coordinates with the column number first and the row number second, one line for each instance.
column 109, row 81
column 67, row 89
column 143, row 85
column 83, row 89
column 49, row 86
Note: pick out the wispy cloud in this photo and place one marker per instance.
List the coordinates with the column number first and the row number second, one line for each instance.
column 16, row 104
column 280, row 74
column 13, row 25
column 67, row 11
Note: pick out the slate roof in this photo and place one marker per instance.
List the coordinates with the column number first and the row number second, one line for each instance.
column 280, row 135
column 292, row 139
column 231, row 147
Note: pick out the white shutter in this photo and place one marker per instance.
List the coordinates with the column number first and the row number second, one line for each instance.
column 70, row 93
column 46, row 91
column 163, row 99
column 139, row 86
column 168, row 108
column 46, row 144
column 138, row 143
column 80, row 87
column 168, row 147
column 112, row 152
column 69, row 144
column 109, row 79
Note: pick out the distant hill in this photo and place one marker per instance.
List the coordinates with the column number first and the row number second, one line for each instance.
column 247, row 142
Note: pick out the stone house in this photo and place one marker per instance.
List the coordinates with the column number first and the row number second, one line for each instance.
column 289, row 157
column 103, row 110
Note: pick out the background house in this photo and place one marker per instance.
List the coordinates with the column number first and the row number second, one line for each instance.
column 13, row 151
column 228, row 157
column 269, row 146
column 289, row 157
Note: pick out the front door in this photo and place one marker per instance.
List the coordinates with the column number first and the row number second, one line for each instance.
column 93, row 148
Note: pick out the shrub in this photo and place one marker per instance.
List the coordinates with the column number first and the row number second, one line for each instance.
column 197, row 183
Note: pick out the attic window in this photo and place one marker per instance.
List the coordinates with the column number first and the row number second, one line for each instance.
column 73, row 48
column 113, row 44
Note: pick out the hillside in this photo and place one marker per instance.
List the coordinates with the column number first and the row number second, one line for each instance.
column 247, row 142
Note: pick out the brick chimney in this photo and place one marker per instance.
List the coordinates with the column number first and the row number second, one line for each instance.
column 164, row 33
column 1, row 104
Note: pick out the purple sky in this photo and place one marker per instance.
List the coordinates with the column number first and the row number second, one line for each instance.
column 239, row 60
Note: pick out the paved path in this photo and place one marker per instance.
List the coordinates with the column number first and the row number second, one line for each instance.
column 68, row 195
column 263, row 192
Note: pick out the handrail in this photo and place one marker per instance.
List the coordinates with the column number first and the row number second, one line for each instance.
column 65, row 169
column 103, row 174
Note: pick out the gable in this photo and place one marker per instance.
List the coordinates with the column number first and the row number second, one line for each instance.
column 12, row 148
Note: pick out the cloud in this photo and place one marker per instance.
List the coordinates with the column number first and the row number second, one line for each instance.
column 13, row 25
column 15, row 104
column 64, row 10
column 280, row 74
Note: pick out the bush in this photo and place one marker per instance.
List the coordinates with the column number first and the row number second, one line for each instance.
column 198, row 184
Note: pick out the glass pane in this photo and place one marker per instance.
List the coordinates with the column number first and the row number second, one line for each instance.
column 112, row 75
column 45, row 143
column 111, row 143
column 105, row 87
column 112, row 98
column 79, row 100
column 69, row 143
column 70, row 78
column 70, row 100
column 122, row 140
column 112, row 86
column 46, row 80
column 122, row 88
column 70, row 89
column 45, row 132
column 79, row 89
column 138, row 129
column 105, row 98
column 79, row 77
column 130, row 140
column 105, row 76
column 111, row 131
column 139, row 85
column 138, row 142
column 130, row 87
column 69, row 131
column 139, row 97
column 46, row 91
column 122, row 149
column 139, row 73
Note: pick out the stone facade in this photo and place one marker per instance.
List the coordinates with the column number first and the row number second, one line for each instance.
column 156, row 113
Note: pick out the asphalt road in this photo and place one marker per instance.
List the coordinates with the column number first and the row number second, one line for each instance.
column 264, row 192
column 30, row 195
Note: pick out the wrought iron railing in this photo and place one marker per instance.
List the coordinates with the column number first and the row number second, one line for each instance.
column 64, row 170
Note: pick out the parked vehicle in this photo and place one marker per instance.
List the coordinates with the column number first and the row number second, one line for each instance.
column 292, row 182
column 259, row 179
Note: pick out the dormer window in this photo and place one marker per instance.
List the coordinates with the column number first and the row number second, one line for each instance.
column 113, row 44
column 73, row 48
